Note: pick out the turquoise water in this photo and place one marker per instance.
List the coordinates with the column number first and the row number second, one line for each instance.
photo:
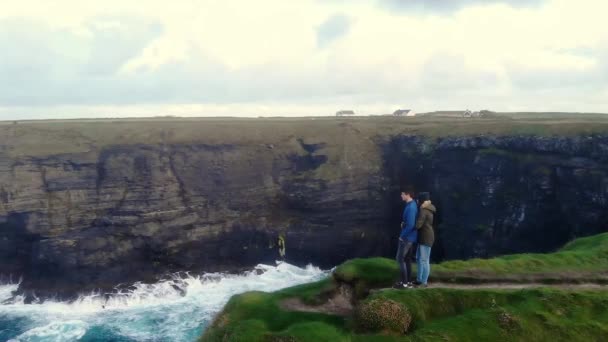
column 176, row 309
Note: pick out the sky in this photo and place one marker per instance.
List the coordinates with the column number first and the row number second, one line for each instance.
column 127, row 58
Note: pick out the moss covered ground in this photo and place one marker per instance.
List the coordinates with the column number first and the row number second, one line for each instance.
column 582, row 260
column 434, row 314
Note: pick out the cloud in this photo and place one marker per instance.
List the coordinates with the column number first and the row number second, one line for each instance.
column 445, row 72
column 332, row 29
column 309, row 54
column 116, row 40
column 448, row 6
column 587, row 77
column 43, row 65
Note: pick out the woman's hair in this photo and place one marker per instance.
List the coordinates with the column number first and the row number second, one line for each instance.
column 423, row 197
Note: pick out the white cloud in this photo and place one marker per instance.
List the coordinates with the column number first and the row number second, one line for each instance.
column 310, row 54
column 449, row 6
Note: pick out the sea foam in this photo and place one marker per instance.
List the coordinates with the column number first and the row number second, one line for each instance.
column 175, row 309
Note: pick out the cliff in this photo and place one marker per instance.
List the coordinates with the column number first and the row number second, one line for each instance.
column 89, row 204
column 525, row 297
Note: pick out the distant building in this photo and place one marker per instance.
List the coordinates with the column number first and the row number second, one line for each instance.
column 345, row 113
column 404, row 112
column 469, row 114
column 477, row 114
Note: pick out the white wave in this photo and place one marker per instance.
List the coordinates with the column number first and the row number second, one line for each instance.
column 6, row 292
column 55, row 331
column 175, row 309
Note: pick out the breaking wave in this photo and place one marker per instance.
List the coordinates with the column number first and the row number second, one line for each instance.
column 175, row 309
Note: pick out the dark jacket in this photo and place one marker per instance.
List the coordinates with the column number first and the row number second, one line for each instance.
column 408, row 225
column 424, row 224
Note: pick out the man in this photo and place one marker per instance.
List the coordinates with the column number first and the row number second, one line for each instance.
column 407, row 239
column 426, row 238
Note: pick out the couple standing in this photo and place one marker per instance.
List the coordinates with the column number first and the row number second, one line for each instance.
column 416, row 228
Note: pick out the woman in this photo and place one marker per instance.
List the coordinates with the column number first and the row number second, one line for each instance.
column 426, row 238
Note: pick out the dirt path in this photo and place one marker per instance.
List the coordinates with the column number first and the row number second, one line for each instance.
column 331, row 307
column 510, row 286
column 516, row 286
column 340, row 304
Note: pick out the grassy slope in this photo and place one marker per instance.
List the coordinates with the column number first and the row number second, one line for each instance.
column 437, row 314
column 250, row 316
column 585, row 259
column 494, row 315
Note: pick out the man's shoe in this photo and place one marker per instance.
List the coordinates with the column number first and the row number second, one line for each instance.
column 417, row 283
column 401, row 286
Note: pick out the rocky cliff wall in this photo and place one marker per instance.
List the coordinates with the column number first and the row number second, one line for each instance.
column 499, row 195
column 131, row 212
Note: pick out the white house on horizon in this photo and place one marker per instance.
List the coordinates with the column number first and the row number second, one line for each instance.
column 345, row 113
column 404, row 112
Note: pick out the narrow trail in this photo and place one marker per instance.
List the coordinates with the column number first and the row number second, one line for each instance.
column 518, row 286
column 507, row 286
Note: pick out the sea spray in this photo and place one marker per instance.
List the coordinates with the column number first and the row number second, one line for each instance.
column 175, row 309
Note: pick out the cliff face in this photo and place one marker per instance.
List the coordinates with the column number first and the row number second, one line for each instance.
column 127, row 212
column 499, row 195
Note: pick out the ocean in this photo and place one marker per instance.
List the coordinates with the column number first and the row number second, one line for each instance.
column 176, row 309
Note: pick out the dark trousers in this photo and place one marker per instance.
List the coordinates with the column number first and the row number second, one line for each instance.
column 404, row 259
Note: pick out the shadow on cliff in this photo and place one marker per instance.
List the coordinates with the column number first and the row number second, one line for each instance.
column 407, row 167
column 500, row 196
column 16, row 245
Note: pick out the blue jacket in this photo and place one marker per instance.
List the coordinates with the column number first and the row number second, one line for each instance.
column 408, row 230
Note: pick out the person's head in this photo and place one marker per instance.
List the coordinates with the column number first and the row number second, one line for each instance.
column 424, row 197
column 407, row 195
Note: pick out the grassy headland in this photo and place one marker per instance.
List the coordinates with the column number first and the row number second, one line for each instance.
column 582, row 260
column 435, row 314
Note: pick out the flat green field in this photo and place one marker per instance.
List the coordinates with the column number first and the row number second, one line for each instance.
column 45, row 137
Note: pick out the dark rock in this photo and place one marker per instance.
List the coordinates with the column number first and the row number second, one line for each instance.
column 259, row 271
column 85, row 221
column 500, row 195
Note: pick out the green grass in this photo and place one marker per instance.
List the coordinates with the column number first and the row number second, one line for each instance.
column 498, row 315
column 439, row 314
column 583, row 260
column 253, row 316
column 357, row 135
